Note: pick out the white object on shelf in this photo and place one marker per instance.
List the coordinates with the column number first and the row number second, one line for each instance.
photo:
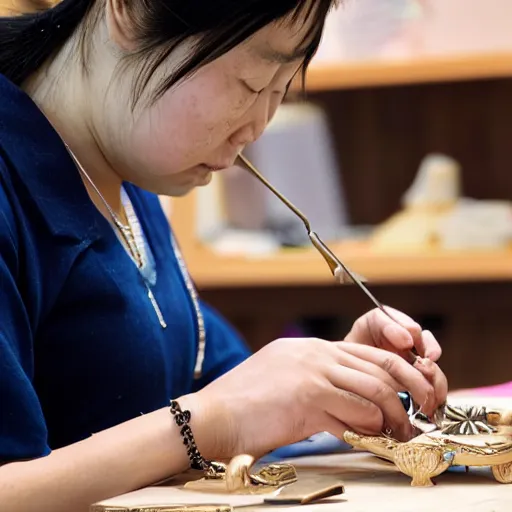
column 437, row 183
column 435, row 216
column 232, row 242
column 476, row 224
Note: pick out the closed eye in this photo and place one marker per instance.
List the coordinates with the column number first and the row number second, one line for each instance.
column 251, row 89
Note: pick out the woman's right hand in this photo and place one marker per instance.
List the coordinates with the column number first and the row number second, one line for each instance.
column 294, row 388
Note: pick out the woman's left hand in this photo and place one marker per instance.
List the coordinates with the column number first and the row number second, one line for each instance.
column 376, row 329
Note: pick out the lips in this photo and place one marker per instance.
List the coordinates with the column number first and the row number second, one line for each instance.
column 219, row 166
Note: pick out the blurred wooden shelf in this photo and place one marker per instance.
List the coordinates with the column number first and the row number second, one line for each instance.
column 305, row 267
column 332, row 76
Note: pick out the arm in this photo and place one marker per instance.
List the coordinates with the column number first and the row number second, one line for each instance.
column 124, row 458
column 32, row 477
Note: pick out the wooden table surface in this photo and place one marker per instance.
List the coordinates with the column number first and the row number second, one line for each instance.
column 370, row 485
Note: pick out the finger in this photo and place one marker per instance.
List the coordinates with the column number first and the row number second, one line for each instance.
column 409, row 324
column 369, row 329
column 402, row 339
column 396, row 336
column 433, row 373
column 345, row 358
column 331, row 424
column 431, row 348
column 394, row 328
column 373, row 390
column 354, row 411
column 405, row 333
column 408, row 377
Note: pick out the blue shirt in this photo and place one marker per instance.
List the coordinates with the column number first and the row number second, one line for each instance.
column 81, row 348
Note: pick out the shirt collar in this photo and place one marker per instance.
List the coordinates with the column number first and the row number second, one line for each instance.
column 34, row 151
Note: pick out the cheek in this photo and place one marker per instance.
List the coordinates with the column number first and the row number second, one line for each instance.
column 186, row 124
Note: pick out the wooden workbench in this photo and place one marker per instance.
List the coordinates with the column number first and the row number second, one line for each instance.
column 371, row 485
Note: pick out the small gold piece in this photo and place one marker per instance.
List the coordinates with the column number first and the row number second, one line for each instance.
column 463, row 436
column 237, row 478
column 275, row 475
column 166, row 508
column 503, row 473
column 422, row 462
column 279, row 482
column 307, row 490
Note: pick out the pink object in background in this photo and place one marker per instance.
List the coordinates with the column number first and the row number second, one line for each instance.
column 498, row 391
column 407, row 29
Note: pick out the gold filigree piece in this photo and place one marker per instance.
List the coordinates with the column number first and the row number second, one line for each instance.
column 237, row 478
column 463, row 436
column 503, row 473
column 279, row 483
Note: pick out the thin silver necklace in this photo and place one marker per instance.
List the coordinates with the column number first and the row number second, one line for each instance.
column 126, row 231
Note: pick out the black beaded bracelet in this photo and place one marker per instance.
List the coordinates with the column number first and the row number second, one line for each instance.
column 182, row 419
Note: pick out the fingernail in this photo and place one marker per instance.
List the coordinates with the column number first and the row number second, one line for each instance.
column 425, row 366
column 393, row 331
column 428, row 334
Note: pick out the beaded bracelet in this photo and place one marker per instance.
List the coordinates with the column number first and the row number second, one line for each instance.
column 197, row 461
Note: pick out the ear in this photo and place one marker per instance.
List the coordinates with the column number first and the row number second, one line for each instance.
column 119, row 24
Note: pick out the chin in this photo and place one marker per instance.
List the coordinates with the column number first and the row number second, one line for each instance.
column 179, row 191
column 177, row 187
column 182, row 189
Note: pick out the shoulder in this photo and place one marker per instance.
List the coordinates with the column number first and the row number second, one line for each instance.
column 23, row 432
column 43, row 176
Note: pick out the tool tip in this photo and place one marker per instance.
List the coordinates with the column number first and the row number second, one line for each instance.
column 344, row 277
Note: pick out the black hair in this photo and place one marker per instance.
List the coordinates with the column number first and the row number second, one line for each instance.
column 160, row 26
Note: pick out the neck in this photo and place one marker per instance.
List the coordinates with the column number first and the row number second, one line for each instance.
column 61, row 90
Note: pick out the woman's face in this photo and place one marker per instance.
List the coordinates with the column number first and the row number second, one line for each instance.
column 202, row 124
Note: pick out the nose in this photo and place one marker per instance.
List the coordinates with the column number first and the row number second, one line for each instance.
column 256, row 121
column 243, row 136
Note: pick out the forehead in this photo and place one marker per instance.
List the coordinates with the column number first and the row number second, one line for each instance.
column 286, row 36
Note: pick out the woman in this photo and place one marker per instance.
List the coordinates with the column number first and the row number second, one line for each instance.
column 103, row 105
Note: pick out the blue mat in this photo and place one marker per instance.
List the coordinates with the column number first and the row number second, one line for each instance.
column 319, row 444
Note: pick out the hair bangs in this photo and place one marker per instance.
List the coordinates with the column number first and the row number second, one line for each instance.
column 211, row 38
column 313, row 13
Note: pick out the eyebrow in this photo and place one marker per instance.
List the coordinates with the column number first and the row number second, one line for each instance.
column 271, row 55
